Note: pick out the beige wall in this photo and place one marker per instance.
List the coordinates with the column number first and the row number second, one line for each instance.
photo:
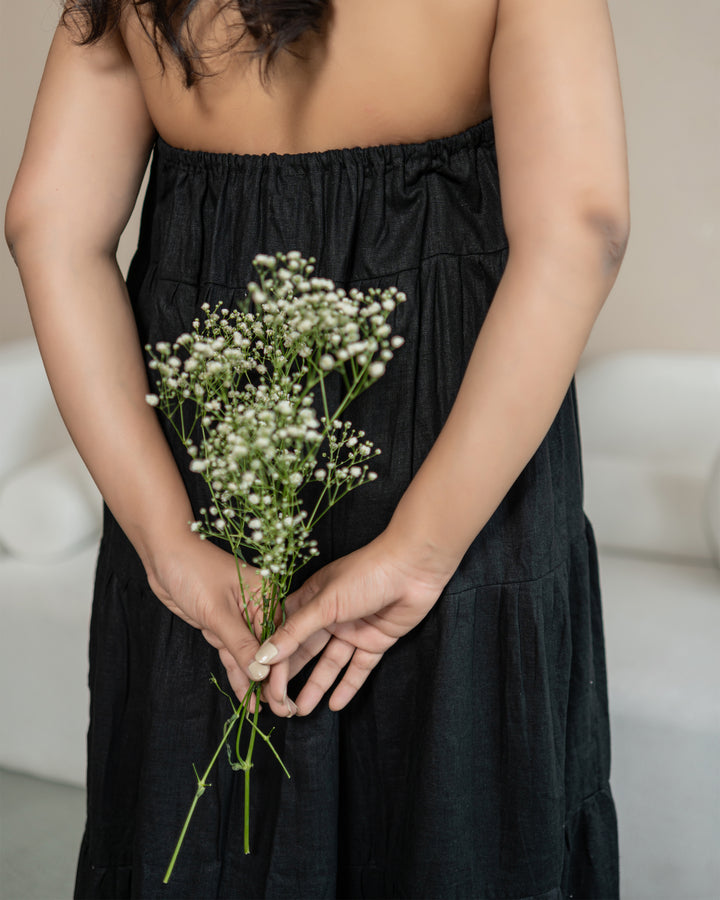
column 25, row 35
column 24, row 38
column 667, row 292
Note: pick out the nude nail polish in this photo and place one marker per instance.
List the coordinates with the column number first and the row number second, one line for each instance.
column 258, row 671
column 292, row 708
column 267, row 652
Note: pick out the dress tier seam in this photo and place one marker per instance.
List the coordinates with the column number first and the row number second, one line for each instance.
column 572, row 541
column 481, row 254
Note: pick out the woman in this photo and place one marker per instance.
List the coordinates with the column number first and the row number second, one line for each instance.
column 464, row 751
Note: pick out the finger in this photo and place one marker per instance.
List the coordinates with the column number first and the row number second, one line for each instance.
column 281, row 674
column 362, row 664
column 298, row 628
column 239, row 682
column 364, row 633
column 307, row 590
column 212, row 639
column 238, row 640
column 276, row 691
column 336, row 656
column 275, row 687
column 309, row 650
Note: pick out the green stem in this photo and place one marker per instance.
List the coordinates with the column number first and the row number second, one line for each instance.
column 328, row 421
column 248, row 762
column 248, row 617
column 202, row 784
column 266, row 738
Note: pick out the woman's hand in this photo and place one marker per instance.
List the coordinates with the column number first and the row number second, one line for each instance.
column 198, row 582
column 353, row 610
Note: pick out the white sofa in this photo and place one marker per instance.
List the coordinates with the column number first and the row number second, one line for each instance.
column 50, row 519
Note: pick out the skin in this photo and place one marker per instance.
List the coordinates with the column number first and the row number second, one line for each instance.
column 547, row 73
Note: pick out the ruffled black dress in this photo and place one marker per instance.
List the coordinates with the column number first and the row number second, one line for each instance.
column 474, row 763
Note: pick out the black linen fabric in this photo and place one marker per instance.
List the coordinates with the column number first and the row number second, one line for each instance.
column 474, row 763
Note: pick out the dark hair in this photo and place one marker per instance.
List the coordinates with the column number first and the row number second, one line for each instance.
column 273, row 24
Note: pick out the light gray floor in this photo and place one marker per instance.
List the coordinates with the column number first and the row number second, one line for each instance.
column 666, row 786
column 42, row 825
column 662, row 630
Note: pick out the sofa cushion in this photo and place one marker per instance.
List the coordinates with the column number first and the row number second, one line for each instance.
column 49, row 508
column 650, row 433
column 652, row 507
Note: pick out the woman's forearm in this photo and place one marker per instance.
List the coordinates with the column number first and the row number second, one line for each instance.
column 89, row 343
column 517, row 376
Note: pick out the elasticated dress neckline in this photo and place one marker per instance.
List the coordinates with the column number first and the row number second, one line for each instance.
column 377, row 155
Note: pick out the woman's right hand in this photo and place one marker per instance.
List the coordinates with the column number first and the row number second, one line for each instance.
column 198, row 582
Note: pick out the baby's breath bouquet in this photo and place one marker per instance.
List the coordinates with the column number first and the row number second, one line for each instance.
column 240, row 391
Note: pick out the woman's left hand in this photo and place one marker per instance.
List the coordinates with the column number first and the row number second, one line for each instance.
column 353, row 610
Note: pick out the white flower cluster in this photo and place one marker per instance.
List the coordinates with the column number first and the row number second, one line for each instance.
column 238, row 391
column 255, row 454
column 323, row 324
column 346, row 459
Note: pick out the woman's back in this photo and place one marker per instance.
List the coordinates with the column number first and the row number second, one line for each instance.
column 383, row 71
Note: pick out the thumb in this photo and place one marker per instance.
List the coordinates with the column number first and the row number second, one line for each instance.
column 241, row 644
column 312, row 616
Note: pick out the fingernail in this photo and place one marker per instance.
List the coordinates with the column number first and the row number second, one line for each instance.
column 258, row 671
column 267, row 652
column 292, row 709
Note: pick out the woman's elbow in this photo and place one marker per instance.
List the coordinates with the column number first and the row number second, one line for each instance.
column 589, row 240
column 40, row 227
column 26, row 218
column 14, row 218
column 613, row 229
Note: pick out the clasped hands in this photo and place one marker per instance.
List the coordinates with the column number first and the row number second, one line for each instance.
column 348, row 614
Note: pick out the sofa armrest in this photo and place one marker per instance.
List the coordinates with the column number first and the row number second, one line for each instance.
column 31, row 423
column 650, row 429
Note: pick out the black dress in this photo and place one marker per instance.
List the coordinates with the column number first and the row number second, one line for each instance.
column 474, row 762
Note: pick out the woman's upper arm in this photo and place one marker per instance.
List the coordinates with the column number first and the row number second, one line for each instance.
column 87, row 148
column 558, row 118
